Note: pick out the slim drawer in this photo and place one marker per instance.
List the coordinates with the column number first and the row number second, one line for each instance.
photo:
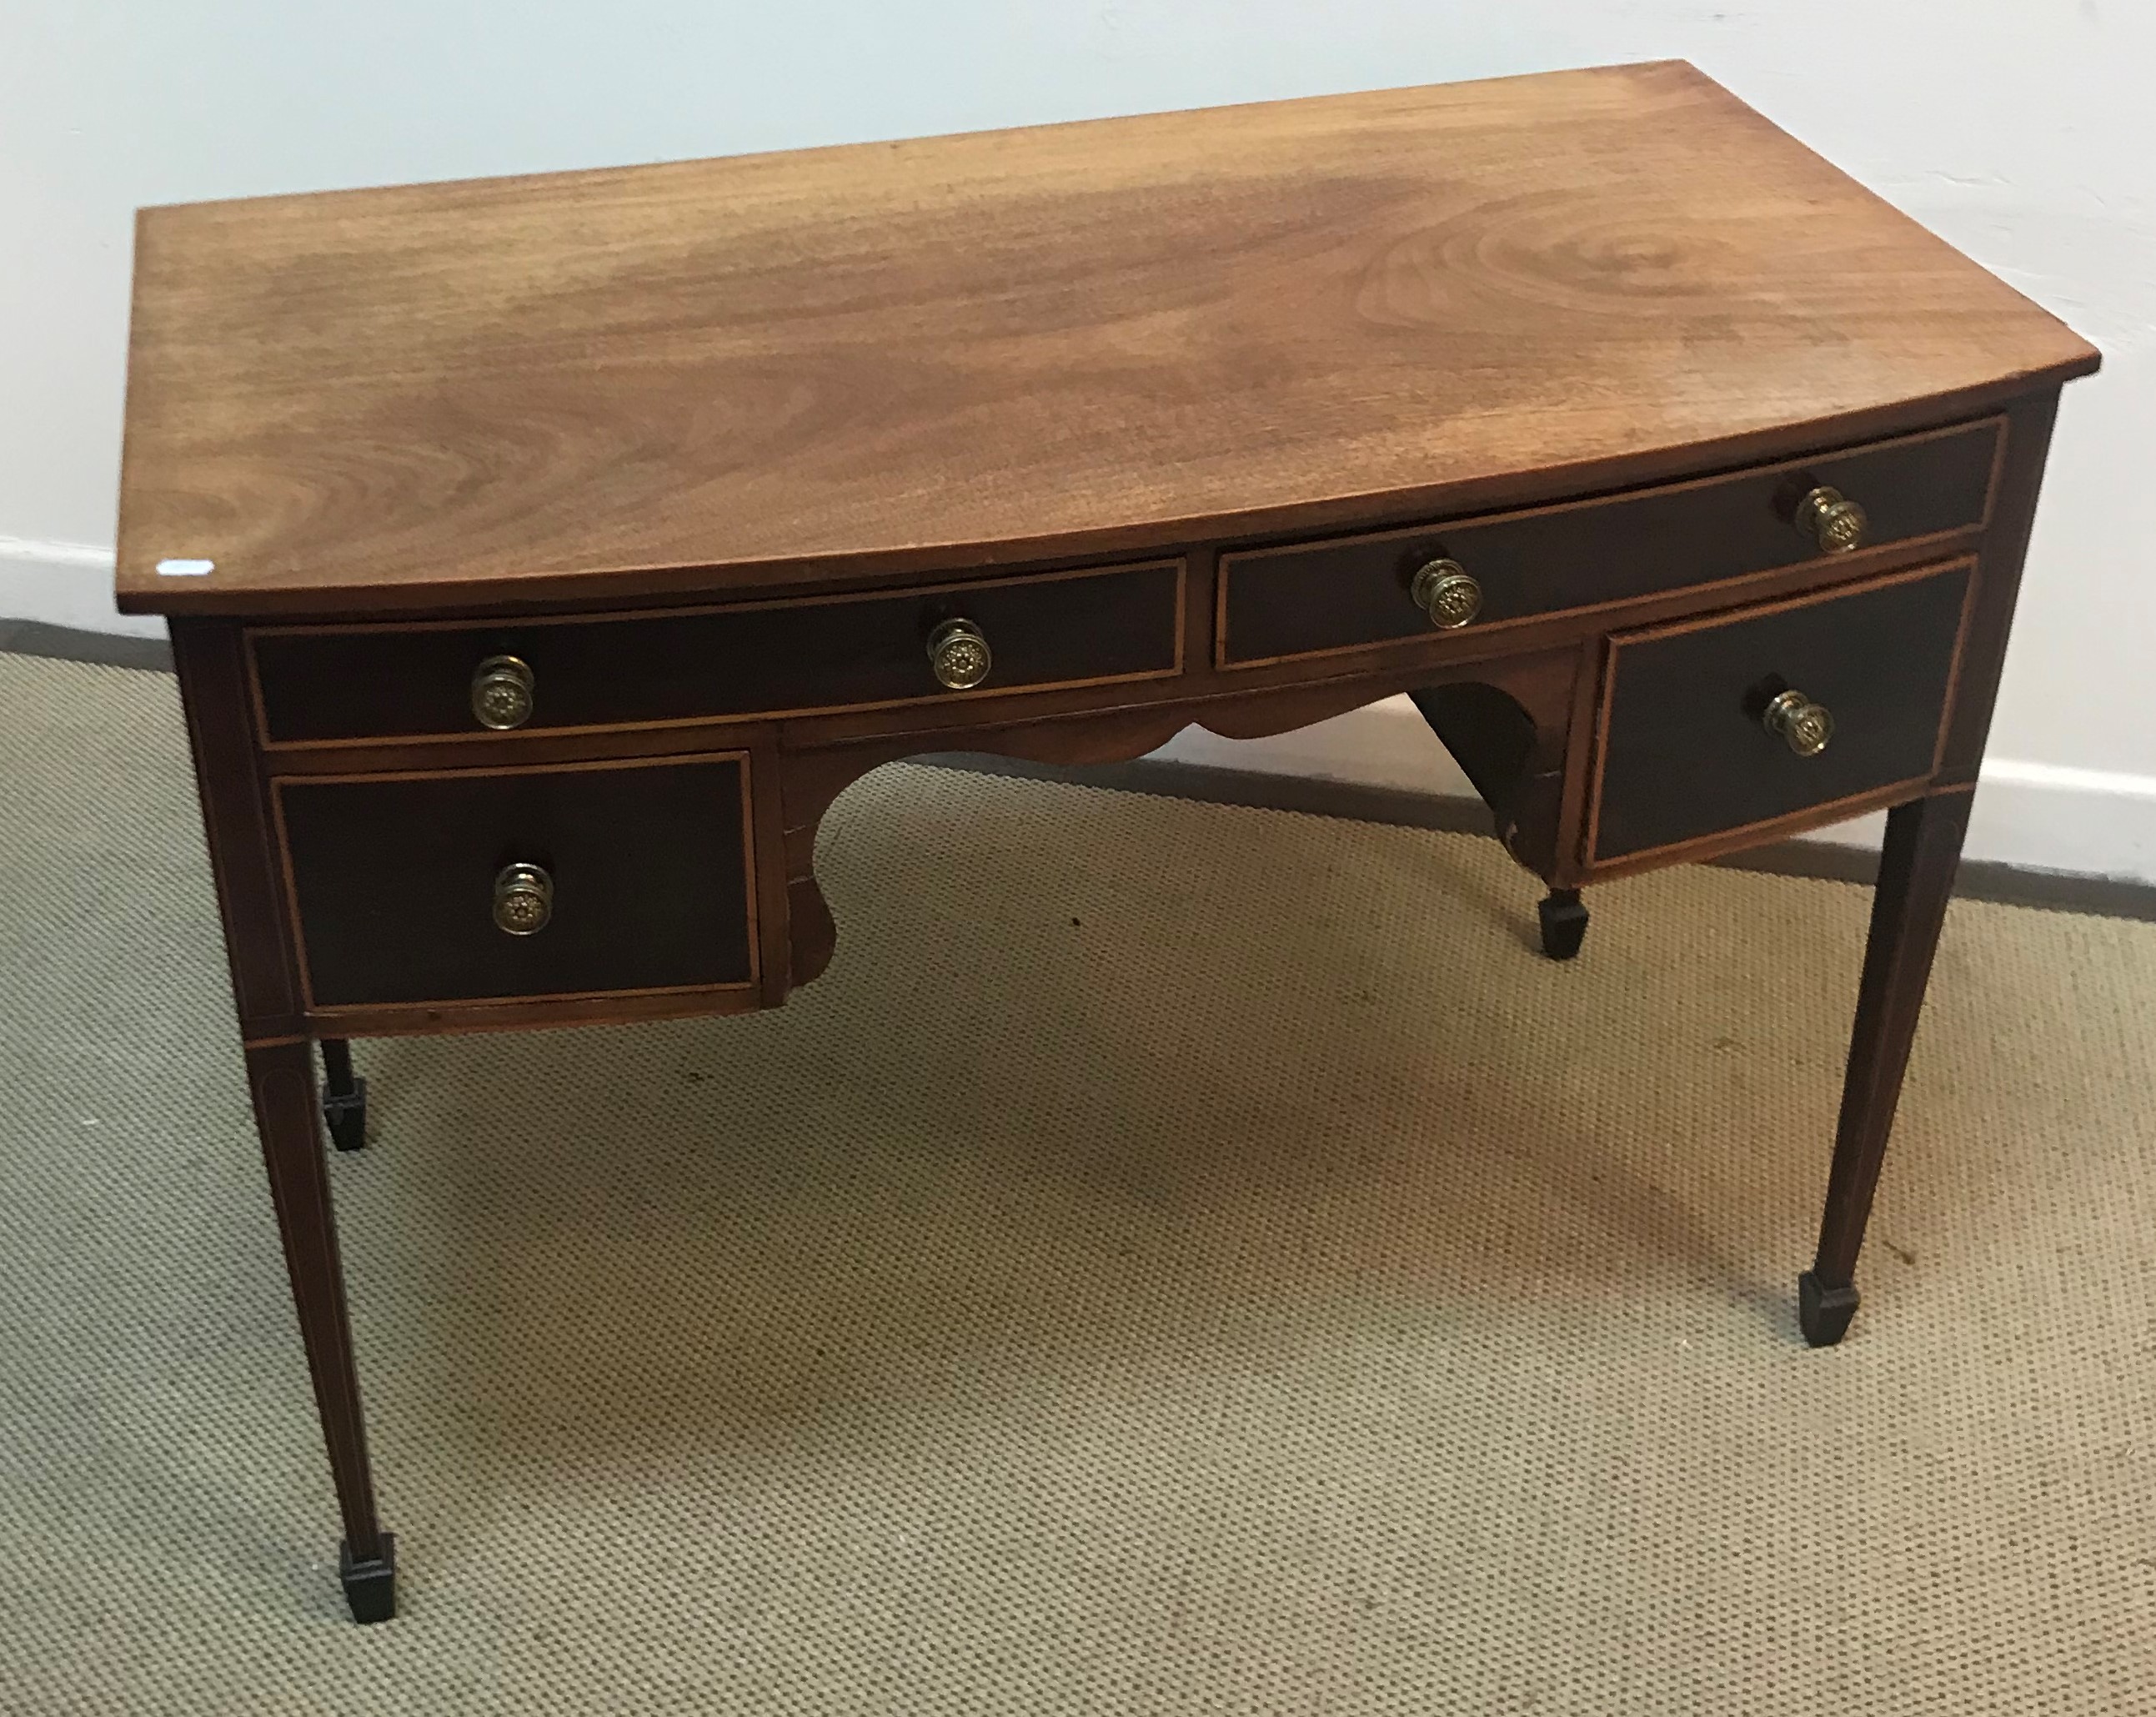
column 467, row 678
column 1714, row 727
column 1308, row 598
column 556, row 881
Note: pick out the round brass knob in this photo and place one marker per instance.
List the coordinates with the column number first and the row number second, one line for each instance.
column 1445, row 590
column 1805, row 725
column 1835, row 522
column 501, row 692
column 523, row 900
column 960, row 655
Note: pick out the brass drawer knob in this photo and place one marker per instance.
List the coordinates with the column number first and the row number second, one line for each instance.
column 502, row 691
column 1805, row 725
column 959, row 653
column 1446, row 591
column 523, row 900
column 1836, row 523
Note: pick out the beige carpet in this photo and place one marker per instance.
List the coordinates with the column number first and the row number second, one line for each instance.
column 1179, row 1259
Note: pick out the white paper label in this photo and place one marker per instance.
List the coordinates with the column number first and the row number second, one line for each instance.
column 185, row 568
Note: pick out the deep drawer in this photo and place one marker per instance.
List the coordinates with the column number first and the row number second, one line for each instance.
column 1306, row 598
column 1695, row 743
column 416, row 888
column 328, row 683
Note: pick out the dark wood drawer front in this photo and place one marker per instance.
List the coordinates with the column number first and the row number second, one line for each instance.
column 771, row 658
column 1687, row 753
column 1309, row 597
column 395, row 876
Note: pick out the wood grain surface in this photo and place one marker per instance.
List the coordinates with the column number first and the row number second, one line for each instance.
column 790, row 370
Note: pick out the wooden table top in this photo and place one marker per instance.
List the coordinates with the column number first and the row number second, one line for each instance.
column 834, row 364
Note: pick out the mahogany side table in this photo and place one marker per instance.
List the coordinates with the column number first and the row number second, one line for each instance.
column 544, row 555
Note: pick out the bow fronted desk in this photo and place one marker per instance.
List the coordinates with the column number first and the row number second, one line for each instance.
column 544, row 555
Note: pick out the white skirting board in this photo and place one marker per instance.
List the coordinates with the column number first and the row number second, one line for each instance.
column 2032, row 815
column 65, row 584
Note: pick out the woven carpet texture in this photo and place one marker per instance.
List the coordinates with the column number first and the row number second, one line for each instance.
column 1179, row 1259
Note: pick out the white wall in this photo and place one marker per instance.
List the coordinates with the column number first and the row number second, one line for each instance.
column 2018, row 129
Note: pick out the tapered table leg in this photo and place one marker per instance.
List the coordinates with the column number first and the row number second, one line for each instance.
column 281, row 1077
column 344, row 1096
column 1916, row 879
column 1563, row 922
